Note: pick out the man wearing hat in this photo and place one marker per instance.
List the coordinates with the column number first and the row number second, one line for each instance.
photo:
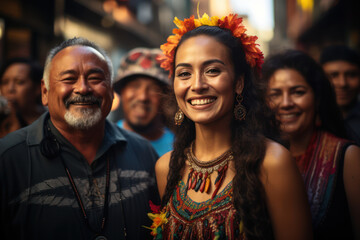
column 342, row 65
column 142, row 84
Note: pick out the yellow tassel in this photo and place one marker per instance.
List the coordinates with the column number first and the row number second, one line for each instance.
column 207, row 184
column 241, row 226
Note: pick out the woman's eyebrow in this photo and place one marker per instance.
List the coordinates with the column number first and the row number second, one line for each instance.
column 204, row 63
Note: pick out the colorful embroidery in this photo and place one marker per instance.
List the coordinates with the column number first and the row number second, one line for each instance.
column 318, row 167
column 212, row 219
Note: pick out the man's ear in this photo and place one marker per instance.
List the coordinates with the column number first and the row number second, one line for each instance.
column 239, row 86
column 44, row 93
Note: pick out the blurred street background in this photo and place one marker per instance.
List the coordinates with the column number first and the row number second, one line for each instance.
column 29, row 28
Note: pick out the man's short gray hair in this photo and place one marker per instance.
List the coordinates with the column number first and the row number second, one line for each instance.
column 77, row 41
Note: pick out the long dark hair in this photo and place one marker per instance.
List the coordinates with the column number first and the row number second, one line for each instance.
column 248, row 137
column 325, row 100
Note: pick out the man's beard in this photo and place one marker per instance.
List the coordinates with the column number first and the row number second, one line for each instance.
column 83, row 118
column 140, row 128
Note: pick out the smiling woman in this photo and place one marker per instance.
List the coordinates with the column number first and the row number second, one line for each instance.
column 204, row 80
column 294, row 100
column 222, row 180
column 305, row 104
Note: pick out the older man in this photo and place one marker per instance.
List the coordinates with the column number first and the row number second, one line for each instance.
column 72, row 174
column 142, row 84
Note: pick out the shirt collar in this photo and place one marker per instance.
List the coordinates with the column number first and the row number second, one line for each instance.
column 112, row 135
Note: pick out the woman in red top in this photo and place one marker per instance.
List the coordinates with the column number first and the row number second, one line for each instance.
column 305, row 104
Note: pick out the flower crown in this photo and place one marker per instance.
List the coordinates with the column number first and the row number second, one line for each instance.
column 254, row 56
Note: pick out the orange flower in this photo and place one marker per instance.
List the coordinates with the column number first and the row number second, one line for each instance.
column 254, row 56
column 158, row 220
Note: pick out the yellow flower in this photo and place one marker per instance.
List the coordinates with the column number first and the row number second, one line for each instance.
column 158, row 220
column 178, row 22
column 206, row 20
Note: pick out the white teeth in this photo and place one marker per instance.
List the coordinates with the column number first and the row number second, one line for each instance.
column 287, row 116
column 201, row 101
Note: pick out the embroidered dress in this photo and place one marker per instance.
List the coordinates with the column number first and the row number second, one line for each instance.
column 321, row 167
column 213, row 219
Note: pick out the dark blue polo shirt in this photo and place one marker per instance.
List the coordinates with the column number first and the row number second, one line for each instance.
column 37, row 200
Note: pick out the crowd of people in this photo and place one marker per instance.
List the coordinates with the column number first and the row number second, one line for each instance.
column 216, row 142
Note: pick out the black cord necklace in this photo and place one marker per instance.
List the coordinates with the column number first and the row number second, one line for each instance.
column 99, row 235
column 51, row 149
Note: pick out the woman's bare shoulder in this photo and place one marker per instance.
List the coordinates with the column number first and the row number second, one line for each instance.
column 162, row 170
column 285, row 194
column 276, row 156
column 162, row 164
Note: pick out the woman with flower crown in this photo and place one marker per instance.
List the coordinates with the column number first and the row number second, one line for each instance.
column 225, row 178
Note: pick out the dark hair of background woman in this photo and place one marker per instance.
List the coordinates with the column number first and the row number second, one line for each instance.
column 36, row 70
column 326, row 107
column 248, row 139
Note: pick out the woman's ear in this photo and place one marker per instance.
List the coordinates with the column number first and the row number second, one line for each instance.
column 239, row 86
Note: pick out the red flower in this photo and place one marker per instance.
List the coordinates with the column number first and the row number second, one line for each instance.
column 154, row 208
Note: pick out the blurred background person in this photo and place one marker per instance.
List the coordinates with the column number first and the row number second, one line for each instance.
column 305, row 105
column 142, row 85
column 4, row 109
column 342, row 65
column 20, row 86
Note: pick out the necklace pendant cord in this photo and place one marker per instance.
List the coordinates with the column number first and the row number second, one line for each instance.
column 56, row 154
column 80, row 203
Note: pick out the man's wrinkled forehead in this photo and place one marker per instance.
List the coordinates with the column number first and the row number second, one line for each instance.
column 71, row 54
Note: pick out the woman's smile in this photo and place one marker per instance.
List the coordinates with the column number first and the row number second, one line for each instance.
column 201, row 101
column 204, row 80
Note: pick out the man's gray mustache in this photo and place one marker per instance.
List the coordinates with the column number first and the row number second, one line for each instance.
column 83, row 99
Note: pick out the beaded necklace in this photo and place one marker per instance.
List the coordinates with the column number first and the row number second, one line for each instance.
column 200, row 171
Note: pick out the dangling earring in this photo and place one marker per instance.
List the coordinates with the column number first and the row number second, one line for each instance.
column 239, row 110
column 179, row 117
